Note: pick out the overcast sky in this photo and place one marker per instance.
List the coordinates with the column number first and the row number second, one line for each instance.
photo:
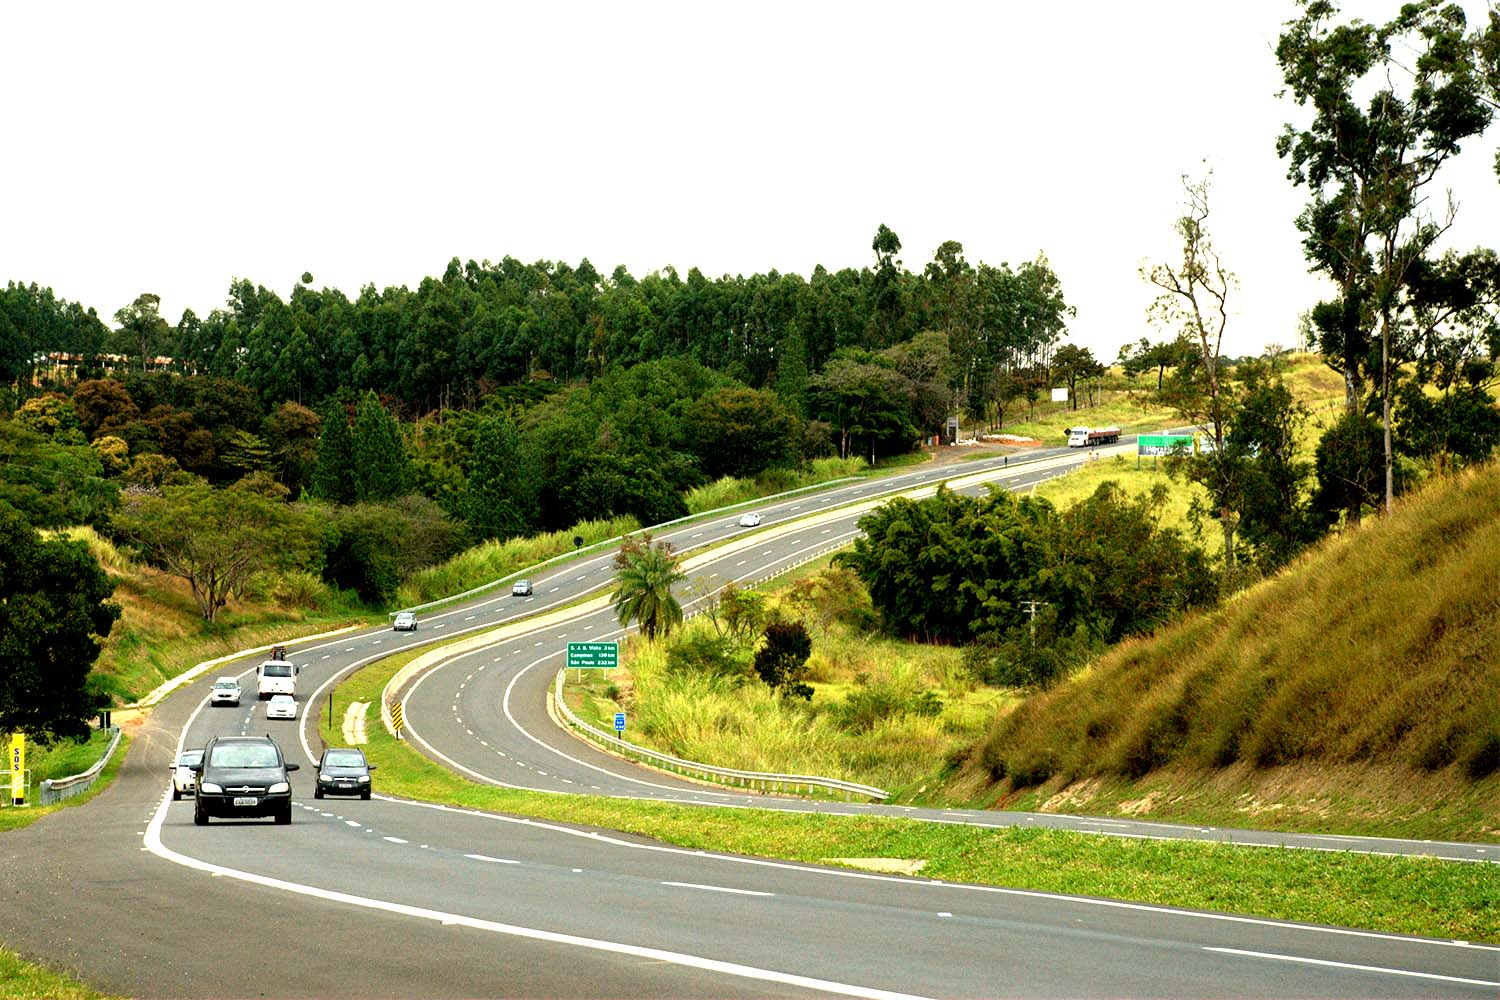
column 172, row 148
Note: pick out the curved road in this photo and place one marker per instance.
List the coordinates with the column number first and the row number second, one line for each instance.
column 392, row 899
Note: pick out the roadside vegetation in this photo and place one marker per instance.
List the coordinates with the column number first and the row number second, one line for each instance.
column 62, row 760
column 23, row 980
column 1397, row 895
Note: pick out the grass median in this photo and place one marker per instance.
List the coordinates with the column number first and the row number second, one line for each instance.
column 1395, row 895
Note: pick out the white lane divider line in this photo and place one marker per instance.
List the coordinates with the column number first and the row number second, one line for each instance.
column 396, row 840
column 351, row 822
column 471, row 618
column 718, row 888
column 1358, row 968
column 327, row 655
column 486, row 857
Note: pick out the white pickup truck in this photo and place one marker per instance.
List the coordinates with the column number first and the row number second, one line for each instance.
column 275, row 677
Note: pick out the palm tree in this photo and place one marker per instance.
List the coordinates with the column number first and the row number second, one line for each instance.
column 644, row 574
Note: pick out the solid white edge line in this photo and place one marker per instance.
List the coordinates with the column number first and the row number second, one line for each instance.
column 1357, row 968
column 718, row 888
column 155, row 846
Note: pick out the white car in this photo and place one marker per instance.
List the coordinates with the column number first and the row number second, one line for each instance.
column 226, row 691
column 750, row 520
column 521, row 588
column 281, row 706
column 183, row 775
column 406, row 621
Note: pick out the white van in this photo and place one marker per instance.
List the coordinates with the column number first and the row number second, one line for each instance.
column 275, row 677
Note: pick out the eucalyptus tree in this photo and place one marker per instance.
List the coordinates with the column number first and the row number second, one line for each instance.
column 1391, row 104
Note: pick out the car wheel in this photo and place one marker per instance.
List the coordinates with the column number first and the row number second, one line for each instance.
column 200, row 818
column 284, row 817
column 317, row 793
column 175, row 794
column 365, row 795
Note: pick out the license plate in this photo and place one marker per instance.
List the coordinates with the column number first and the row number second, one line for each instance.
column 246, row 800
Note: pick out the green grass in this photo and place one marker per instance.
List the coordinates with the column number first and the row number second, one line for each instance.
column 1380, row 647
column 728, row 491
column 61, row 761
column 1397, row 895
column 22, row 980
column 494, row 560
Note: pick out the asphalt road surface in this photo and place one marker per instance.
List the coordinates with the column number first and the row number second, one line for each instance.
column 385, row 898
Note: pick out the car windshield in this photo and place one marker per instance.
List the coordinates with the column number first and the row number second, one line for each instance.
column 244, row 755
column 344, row 758
column 190, row 757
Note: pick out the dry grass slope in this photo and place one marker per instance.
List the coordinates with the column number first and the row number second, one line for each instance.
column 1381, row 647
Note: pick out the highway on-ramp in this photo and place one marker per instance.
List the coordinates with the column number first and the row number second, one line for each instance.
column 399, row 899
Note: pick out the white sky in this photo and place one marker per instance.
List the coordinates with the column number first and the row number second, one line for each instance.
column 171, row 148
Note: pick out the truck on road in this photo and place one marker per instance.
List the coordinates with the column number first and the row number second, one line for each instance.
column 275, row 677
column 1087, row 437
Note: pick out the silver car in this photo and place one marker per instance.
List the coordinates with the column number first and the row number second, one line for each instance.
column 183, row 775
column 406, row 621
column 226, row 691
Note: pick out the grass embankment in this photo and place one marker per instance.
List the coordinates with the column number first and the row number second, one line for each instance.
column 160, row 632
column 728, row 491
column 63, row 760
column 1375, row 658
column 1397, row 895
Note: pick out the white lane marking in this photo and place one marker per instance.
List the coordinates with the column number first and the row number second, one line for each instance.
column 444, row 625
column 351, row 822
column 698, row 535
column 484, row 744
column 377, row 642
column 486, row 857
column 553, row 590
column 798, row 507
column 826, row 531
column 327, row 655
column 581, row 578
column 348, row 649
column 154, row 844
column 1357, row 968
column 471, row 618
column 741, row 563
column 718, row 888
column 945, row 914
column 397, row 840
column 537, row 643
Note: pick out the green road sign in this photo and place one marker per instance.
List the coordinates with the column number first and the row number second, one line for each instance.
column 1163, row 444
column 593, row 655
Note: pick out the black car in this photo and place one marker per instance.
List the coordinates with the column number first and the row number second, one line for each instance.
column 242, row 776
column 343, row 771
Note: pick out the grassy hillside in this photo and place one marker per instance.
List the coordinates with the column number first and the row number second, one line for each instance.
column 1376, row 656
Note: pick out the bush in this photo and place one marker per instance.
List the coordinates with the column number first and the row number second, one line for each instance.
column 698, row 651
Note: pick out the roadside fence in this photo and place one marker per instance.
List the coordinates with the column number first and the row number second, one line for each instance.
column 51, row 791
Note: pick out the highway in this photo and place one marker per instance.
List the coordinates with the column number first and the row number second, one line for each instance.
column 390, row 898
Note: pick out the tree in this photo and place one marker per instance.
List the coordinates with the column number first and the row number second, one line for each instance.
column 54, row 609
column 864, row 398
column 334, row 475
column 781, row 660
column 1368, row 225
column 291, row 433
column 142, row 330
column 644, row 574
column 829, row 596
column 1195, row 300
column 1276, row 519
column 379, row 456
column 887, row 304
column 216, row 539
column 740, row 432
column 1073, row 363
column 497, row 501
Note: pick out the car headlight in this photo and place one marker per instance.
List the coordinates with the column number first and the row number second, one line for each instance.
column 279, row 787
column 209, row 786
column 364, row 779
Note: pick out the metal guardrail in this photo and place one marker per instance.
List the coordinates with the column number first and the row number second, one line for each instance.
column 51, row 791
column 763, row 780
column 564, row 556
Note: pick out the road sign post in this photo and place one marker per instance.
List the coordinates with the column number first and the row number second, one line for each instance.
column 398, row 719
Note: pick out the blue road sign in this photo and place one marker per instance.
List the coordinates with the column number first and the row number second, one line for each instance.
column 619, row 722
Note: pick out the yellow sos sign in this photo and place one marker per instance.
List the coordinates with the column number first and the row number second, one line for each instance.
column 18, row 767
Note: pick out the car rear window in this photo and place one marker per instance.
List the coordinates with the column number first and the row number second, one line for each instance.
column 276, row 669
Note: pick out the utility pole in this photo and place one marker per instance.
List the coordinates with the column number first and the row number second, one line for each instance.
column 1031, row 607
